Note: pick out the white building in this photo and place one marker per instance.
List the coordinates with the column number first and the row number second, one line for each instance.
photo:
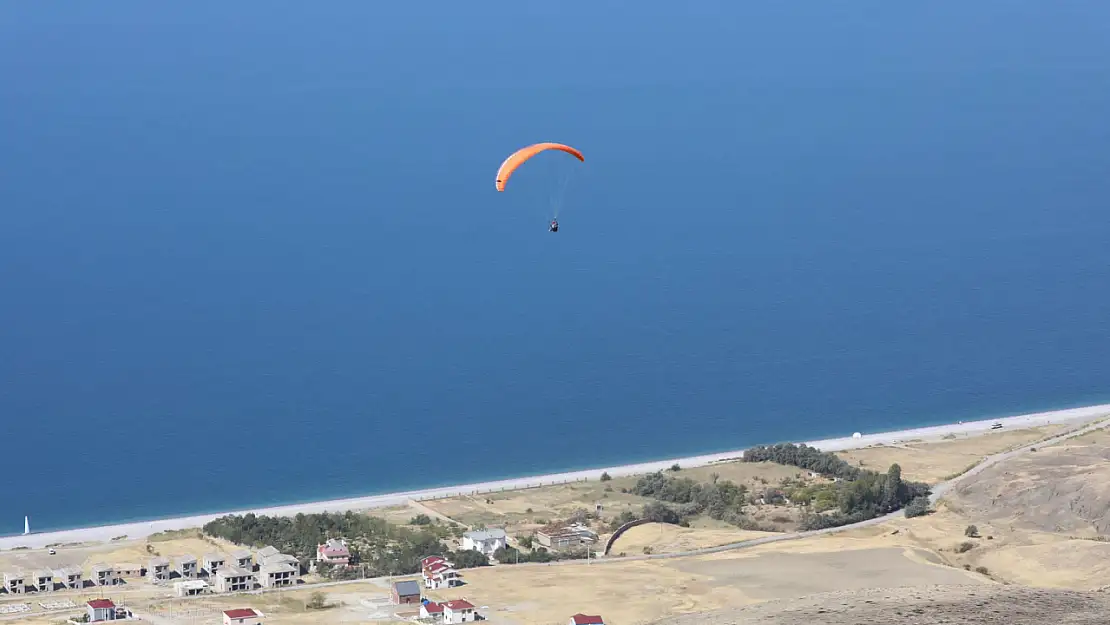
column 242, row 558
column 458, row 611
column 70, row 577
column 101, row 610
column 431, row 610
column 190, row 588
column 485, row 541
column 158, row 569
column 187, row 567
column 242, row 616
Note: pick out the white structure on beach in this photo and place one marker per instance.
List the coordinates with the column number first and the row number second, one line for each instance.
column 485, row 541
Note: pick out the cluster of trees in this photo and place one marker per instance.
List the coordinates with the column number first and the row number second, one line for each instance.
column 805, row 457
column 377, row 547
column 720, row 499
column 862, row 494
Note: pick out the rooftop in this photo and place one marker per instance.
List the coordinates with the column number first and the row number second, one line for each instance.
column 277, row 567
column 459, row 604
column 214, row 557
column 433, row 607
column 240, row 554
column 100, row 604
column 241, row 613
column 159, row 561
column 491, row 534
column 193, row 584
column 586, row 619
column 267, row 551
column 100, row 566
column 44, row 573
column 233, row 571
column 186, row 559
column 407, row 588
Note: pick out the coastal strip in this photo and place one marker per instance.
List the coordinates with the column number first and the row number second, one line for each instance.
column 143, row 529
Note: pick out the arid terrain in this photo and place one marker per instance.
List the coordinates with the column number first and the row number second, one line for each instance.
column 1039, row 522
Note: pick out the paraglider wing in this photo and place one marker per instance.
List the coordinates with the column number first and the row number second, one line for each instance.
column 516, row 159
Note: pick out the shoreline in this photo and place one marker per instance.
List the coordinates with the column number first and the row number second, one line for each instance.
column 143, row 529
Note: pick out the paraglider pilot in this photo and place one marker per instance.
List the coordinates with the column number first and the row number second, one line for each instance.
column 554, row 227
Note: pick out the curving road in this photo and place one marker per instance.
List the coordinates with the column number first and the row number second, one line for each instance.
column 938, row 492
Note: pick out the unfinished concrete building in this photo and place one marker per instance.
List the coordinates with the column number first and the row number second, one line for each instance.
column 234, row 579
column 187, row 567
column 277, row 575
column 242, row 559
column 15, row 582
column 158, row 569
column 69, row 577
column 104, row 575
column 212, row 562
column 43, row 580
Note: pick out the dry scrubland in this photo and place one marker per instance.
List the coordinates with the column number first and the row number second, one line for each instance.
column 935, row 461
column 927, row 605
column 1038, row 517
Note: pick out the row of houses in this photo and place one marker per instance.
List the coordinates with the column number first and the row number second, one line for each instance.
column 268, row 568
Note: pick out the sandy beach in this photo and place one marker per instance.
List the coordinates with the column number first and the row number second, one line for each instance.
column 146, row 528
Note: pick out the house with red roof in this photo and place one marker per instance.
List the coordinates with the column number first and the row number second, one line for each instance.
column 334, row 551
column 439, row 573
column 101, row 610
column 459, row 611
column 585, row 619
column 242, row 616
column 431, row 610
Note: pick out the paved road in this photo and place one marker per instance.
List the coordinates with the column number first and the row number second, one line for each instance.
column 938, row 492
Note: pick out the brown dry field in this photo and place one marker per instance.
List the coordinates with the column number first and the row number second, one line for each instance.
column 937, row 460
column 663, row 538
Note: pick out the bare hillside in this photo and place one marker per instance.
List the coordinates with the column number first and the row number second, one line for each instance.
column 1064, row 489
column 927, row 605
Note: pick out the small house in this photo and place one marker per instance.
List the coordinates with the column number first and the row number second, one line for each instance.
column 43, row 580
column 158, row 569
column 440, row 574
column 459, row 611
column 187, row 567
column 234, row 579
column 15, row 582
column 406, row 592
column 431, row 610
column 585, row 619
column 485, row 541
column 101, row 610
column 334, row 552
column 242, row 616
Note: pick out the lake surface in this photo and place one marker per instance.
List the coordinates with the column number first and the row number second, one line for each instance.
column 252, row 253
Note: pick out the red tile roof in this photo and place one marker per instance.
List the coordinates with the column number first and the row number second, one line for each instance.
column 240, row 613
column 586, row 619
column 432, row 560
column 100, row 604
column 459, row 604
column 433, row 608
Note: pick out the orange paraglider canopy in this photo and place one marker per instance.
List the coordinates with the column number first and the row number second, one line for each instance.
column 516, row 159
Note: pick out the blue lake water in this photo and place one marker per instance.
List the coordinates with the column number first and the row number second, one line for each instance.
column 251, row 253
